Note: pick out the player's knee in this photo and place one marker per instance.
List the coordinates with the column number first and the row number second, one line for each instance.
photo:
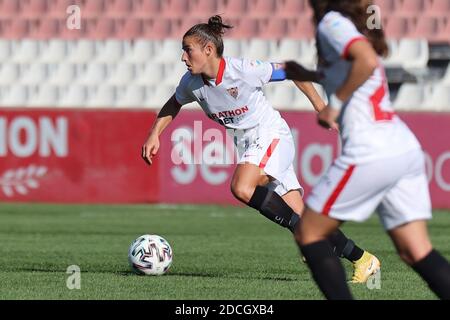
column 242, row 192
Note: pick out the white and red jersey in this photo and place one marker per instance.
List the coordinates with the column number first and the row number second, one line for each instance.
column 234, row 98
column 369, row 127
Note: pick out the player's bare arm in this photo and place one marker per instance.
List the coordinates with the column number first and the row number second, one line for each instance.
column 308, row 90
column 364, row 62
column 168, row 112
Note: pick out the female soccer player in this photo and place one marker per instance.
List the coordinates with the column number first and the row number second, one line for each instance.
column 381, row 166
column 229, row 92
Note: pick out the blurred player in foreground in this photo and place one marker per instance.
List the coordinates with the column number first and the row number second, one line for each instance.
column 382, row 164
column 229, row 92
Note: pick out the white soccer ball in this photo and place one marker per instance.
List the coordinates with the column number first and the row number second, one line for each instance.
column 150, row 255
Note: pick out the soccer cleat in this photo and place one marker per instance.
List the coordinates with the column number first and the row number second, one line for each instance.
column 363, row 268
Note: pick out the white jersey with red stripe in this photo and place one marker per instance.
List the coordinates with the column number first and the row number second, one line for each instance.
column 234, row 98
column 369, row 128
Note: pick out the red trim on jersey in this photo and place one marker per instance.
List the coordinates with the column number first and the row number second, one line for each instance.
column 376, row 99
column 349, row 44
column 269, row 153
column 332, row 199
column 220, row 72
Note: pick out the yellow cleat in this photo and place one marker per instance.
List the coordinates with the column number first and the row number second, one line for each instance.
column 363, row 268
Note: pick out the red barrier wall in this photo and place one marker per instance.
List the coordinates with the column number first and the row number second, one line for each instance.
column 93, row 156
column 75, row 156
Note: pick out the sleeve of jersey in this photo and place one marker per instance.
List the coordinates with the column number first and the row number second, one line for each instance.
column 182, row 93
column 340, row 32
column 256, row 72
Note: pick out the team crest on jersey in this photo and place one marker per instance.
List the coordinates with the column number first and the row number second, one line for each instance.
column 233, row 92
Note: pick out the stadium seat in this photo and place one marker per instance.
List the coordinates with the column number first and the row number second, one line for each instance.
column 15, row 96
column 151, row 74
column 308, row 55
column 102, row 28
column 386, row 6
column 109, row 51
column 444, row 34
column 439, row 8
column 397, row 27
column 131, row 96
column 147, row 8
column 46, row 95
column 82, row 51
column 103, row 96
column 16, row 29
column 34, row 73
column 123, row 74
column 233, row 47
column 288, row 49
column 168, row 50
column 33, row 8
column 261, row 8
column 74, row 95
column 26, row 51
column 247, row 28
column 283, row 96
column 204, row 9
column 292, row 9
column 274, row 28
column 259, row 49
column 233, row 8
column 446, row 78
column 9, row 73
column 141, row 51
column 179, row 29
column 414, row 53
column 175, row 8
column 58, row 8
column 119, row 8
column 412, row 8
column 301, row 28
column 410, row 97
column 157, row 28
column 5, row 50
column 94, row 73
column 427, row 28
column 64, row 74
column 159, row 95
column 45, row 29
column 173, row 73
column 130, row 28
column 9, row 8
column 95, row 8
column 439, row 99
column 54, row 51
column 393, row 59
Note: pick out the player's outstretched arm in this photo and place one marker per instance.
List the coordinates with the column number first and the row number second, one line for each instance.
column 168, row 112
column 308, row 90
column 295, row 71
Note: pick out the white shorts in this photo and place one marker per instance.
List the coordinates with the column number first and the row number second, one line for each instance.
column 273, row 150
column 397, row 188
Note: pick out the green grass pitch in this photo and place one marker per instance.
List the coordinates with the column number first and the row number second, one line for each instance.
column 219, row 253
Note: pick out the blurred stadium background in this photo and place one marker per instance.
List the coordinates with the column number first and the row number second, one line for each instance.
column 76, row 105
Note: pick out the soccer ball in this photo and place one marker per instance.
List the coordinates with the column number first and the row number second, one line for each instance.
column 150, row 255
